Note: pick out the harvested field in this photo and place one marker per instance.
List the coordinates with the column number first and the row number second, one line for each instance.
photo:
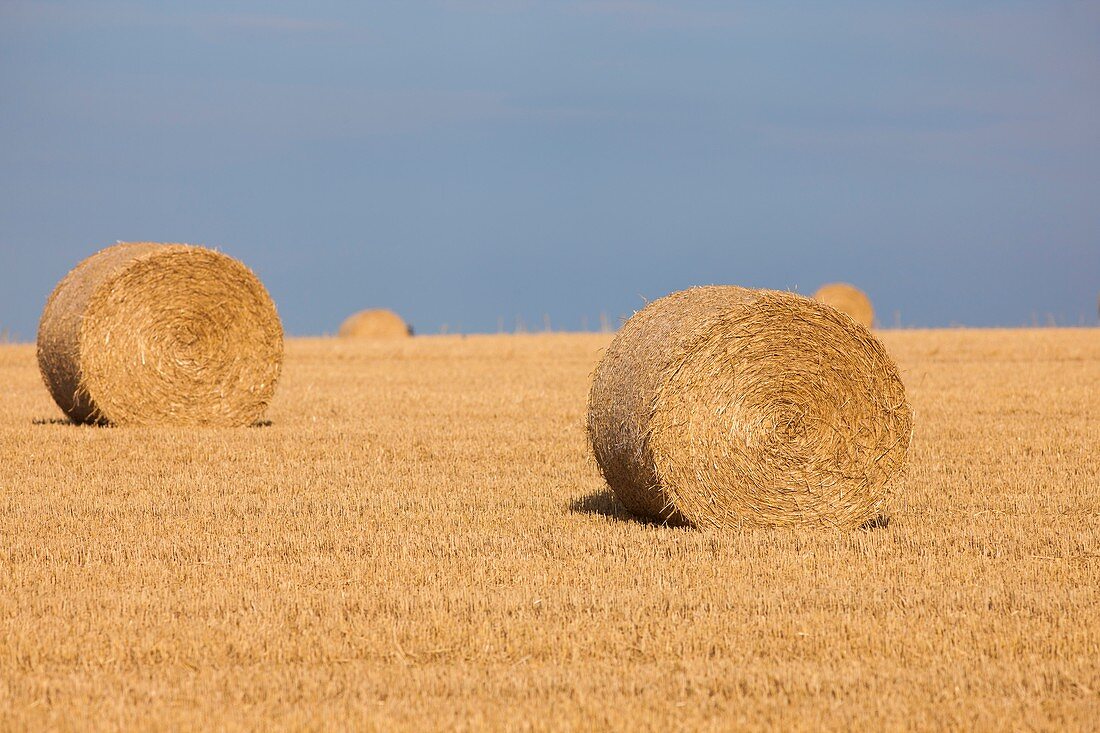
column 420, row 539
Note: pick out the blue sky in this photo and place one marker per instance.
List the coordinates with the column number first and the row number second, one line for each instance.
column 468, row 162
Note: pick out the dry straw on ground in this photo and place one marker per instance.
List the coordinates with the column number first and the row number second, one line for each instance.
column 375, row 324
column 422, row 540
column 723, row 406
column 147, row 334
column 848, row 299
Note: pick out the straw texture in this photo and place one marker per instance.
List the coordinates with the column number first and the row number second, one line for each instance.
column 723, row 406
column 161, row 334
column 848, row 299
column 375, row 324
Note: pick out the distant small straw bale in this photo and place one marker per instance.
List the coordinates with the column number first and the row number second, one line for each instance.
column 848, row 299
column 375, row 324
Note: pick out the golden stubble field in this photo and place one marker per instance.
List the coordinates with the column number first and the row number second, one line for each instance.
column 420, row 539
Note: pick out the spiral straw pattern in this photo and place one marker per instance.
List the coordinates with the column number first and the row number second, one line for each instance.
column 848, row 299
column 161, row 334
column 723, row 406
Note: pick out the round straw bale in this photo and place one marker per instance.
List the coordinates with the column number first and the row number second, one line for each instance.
column 161, row 334
column 848, row 299
column 375, row 324
column 723, row 406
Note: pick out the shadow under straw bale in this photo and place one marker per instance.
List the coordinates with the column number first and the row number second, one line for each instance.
column 605, row 503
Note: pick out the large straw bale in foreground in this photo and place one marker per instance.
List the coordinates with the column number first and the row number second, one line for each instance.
column 848, row 299
column 148, row 334
column 375, row 324
column 722, row 406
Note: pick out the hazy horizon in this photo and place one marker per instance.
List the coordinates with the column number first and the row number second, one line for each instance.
column 470, row 162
